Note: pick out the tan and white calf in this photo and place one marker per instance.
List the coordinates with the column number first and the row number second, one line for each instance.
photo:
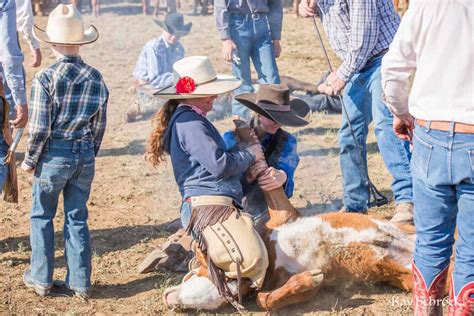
column 312, row 252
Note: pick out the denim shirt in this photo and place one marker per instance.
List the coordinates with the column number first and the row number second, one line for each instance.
column 224, row 8
column 155, row 63
column 201, row 163
column 11, row 57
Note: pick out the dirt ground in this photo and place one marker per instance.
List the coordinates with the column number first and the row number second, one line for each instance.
column 131, row 203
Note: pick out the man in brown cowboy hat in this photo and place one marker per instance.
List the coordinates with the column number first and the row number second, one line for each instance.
column 68, row 118
column 154, row 68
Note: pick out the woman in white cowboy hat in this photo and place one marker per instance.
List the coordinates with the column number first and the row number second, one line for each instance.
column 273, row 108
column 67, row 122
column 206, row 173
column 201, row 163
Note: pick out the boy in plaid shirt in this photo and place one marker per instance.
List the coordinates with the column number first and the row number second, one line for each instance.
column 68, row 116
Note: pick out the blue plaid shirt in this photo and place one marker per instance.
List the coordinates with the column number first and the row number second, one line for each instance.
column 68, row 101
column 155, row 63
column 358, row 30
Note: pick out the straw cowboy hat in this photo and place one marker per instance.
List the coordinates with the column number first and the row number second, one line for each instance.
column 194, row 77
column 174, row 24
column 274, row 102
column 65, row 27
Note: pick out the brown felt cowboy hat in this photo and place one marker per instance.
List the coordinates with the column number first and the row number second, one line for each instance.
column 174, row 24
column 274, row 102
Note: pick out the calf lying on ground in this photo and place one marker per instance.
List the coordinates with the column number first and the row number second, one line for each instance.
column 312, row 252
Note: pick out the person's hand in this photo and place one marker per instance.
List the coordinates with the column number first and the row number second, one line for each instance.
column 307, row 8
column 277, row 48
column 256, row 151
column 403, row 126
column 272, row 179
column 227, row 47
column 26, row 168
column 21, row 116
column 255, row 170
column 37, row 58
column 333, row 85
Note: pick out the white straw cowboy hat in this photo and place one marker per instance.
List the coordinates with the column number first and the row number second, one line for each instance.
column 194, row 77
column 65, row 27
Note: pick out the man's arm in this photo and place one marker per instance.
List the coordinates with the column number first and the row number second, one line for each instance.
column 275, row 18
column 24, row 16
column 40, row 122
column 12, row 58
column 364, row 34
column 398, row 65
column 221, row 17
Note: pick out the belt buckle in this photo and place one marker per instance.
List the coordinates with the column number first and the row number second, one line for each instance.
column 255, row 16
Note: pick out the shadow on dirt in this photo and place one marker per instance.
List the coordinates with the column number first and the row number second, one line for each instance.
column 103, row 240
column 135, row 147
column 372, row 148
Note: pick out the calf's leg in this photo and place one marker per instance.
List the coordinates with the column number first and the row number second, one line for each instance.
column 299, row 288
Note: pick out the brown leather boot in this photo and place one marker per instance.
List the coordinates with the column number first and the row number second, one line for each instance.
column 428, row 301
column 463, row 304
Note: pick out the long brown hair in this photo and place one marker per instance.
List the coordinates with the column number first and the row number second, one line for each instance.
column 156, row 146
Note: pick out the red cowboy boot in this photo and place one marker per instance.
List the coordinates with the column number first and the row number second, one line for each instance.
column 463, row 305
column 428, row 302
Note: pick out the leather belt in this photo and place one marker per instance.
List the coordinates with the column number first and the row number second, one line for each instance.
column 377, row 55
column 446, row 126
column 203, row 200
column 253, row 16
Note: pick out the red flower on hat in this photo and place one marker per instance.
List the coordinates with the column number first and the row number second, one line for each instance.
column 185, row 85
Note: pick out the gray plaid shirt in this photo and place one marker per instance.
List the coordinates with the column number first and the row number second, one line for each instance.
column 68, row 101
column 358, row 30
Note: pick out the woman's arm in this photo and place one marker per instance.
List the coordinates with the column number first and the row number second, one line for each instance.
column 201, row 141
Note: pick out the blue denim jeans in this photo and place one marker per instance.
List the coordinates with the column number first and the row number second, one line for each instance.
column 67, row 167
column 185, row 214
column 253, row 40
column 443, row 188
column 363, row 99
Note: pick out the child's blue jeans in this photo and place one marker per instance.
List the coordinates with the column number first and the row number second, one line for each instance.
column 68, row 167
